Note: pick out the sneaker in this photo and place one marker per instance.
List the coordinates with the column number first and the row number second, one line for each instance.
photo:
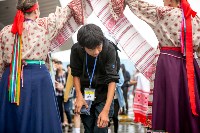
column 63, row 128
column 70, row 129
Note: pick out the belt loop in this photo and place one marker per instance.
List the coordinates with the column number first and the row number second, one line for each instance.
column 40, row 63
column 22, row 75
column 22, row 72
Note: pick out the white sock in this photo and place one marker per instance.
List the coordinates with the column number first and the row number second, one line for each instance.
column 109, row 130
column 76, row 130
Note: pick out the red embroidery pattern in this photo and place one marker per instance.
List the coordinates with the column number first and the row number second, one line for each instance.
column 118, row 7
column 77, row 11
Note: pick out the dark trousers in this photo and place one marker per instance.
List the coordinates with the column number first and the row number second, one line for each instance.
column 115, row 115
column 90, row 121
column 60, row 101
column 68, row 108
column 125, row 93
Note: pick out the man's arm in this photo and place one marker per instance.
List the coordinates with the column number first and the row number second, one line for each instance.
column 110, row 95
column 80, row 101
column 77, row 85
column 76, row 64
column 111, row 79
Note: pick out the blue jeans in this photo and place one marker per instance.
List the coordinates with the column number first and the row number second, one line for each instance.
column 68, row 108
column 90, row 121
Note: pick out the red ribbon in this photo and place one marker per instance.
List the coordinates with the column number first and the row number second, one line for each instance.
column 33, row 8
column 17, row 26
column 188, row 13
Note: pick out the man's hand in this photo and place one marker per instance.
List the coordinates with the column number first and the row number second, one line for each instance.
column 80, row 101
column 103, row 119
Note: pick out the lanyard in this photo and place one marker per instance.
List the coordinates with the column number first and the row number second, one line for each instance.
column 92, row 70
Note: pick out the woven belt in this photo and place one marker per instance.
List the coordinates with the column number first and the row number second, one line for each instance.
column 178, row 49
column 39, row 62
column 25, row 62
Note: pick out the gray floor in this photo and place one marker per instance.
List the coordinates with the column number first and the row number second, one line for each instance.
column 125, row 127
column 128, row 128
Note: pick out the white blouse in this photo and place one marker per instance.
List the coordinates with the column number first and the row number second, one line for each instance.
column 37, row 36
column 165, row 22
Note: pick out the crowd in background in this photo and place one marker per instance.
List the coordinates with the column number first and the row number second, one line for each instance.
column 137, row 84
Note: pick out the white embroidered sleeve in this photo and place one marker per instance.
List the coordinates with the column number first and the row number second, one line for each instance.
column 55, row 21
column 145, row 11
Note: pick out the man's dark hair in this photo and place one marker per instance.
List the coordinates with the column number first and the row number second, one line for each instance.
column 59, row 62
column 90, row 36
column 68, row 65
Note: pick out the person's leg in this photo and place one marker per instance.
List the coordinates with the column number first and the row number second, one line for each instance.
column 115, row 116
column 89, row 121
column 60, row 107
column 68, row 114
column 125, row 92
column 65, row 123
column 109, row 125
column 67, row 111
column 77, row 118
column 77, row 123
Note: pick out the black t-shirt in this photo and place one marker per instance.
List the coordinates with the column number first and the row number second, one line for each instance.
column 105, row 71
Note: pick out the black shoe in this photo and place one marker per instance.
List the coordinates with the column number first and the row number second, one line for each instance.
column 70, row 129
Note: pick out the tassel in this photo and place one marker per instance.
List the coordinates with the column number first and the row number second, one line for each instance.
column 15, row 71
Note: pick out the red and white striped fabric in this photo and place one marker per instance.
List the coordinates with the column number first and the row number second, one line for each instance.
column 140, row 52
column 141, row 99
column 80, row 11
column 64, row 34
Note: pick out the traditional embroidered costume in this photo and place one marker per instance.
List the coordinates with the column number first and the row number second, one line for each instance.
column 27, row 97
column 141, row 99
column 176, row 102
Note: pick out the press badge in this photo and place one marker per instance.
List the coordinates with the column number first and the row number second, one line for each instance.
column 89, row 94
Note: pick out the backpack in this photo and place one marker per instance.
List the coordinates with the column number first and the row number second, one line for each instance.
column 116, row 49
